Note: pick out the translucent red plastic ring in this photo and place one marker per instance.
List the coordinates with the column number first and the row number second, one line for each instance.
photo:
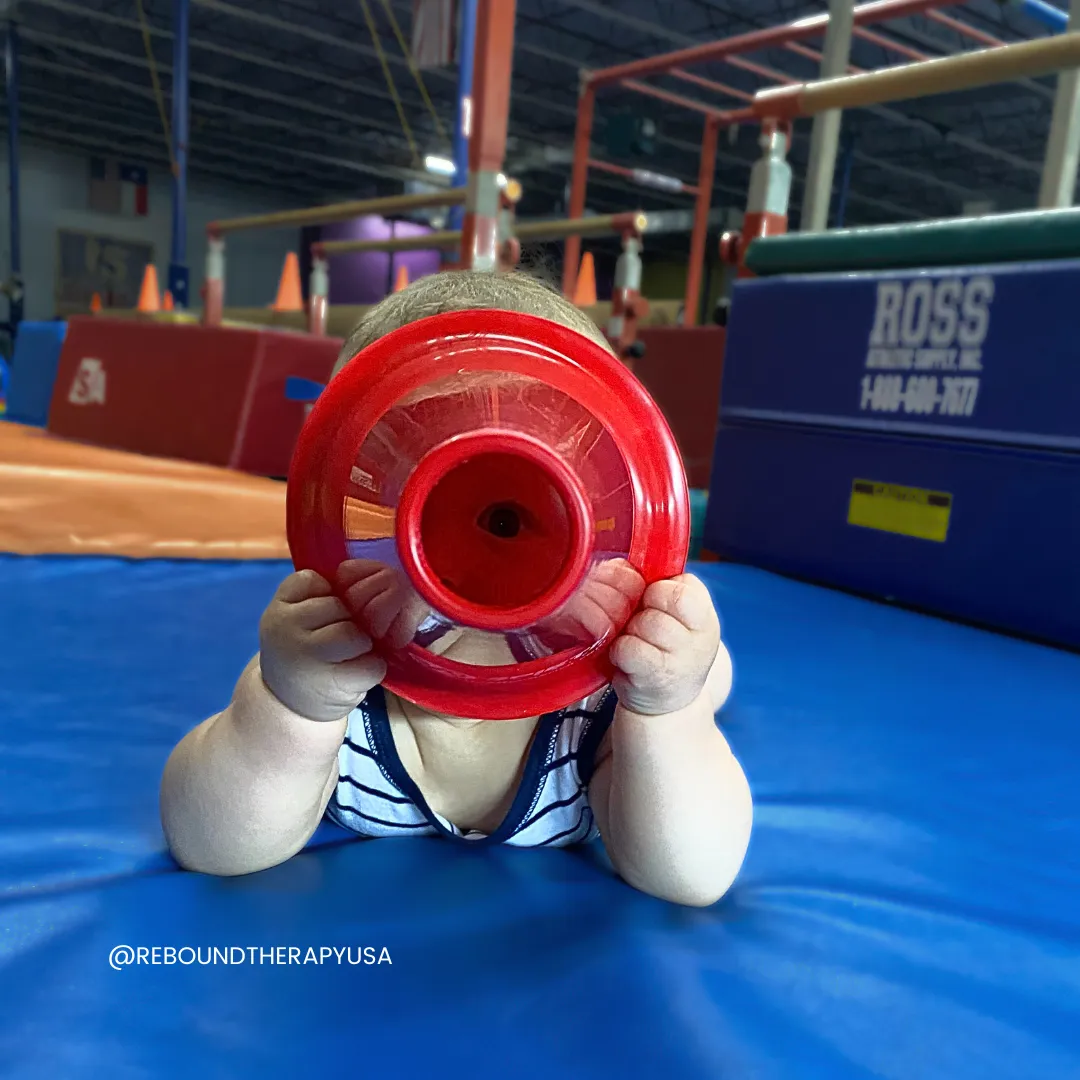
column 445, row 346
column 443, row 459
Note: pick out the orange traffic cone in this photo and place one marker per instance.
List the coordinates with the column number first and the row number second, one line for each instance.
column 167, row 301
column 149, row 295
column 585, row 287
column 95, row 304
column 402, row 279
column 289, row 295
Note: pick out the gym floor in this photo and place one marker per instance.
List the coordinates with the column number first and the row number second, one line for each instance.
column 907, row 908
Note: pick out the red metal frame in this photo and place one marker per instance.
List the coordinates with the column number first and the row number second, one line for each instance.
column 490, row 117
column 699, row 235
column 627, row 76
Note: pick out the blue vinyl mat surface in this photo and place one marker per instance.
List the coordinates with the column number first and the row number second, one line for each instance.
column 910, row 907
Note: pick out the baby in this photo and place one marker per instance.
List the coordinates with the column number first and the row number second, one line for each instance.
column 310, row 732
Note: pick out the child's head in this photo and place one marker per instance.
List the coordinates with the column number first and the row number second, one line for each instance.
column 464, row 290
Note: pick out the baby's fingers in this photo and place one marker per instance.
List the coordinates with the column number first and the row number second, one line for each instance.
column 661, row 630
column 635, row 657
column 340, row 642
column 685, row 599
column 620, row 575
column 355, row 678
column 303, row 585
column 314, row 614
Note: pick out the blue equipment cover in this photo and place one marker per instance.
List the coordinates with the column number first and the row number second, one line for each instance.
column 33, row 371
column 979, row 353
column 954, row 391
column 908, row 908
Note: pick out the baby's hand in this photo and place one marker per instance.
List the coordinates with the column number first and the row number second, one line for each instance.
column 382, row 601
column 314, row 659
column 667, row 649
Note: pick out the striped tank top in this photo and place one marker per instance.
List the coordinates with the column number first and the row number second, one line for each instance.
column 375, row 796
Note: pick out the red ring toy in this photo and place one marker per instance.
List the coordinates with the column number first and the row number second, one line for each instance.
column 489, row 459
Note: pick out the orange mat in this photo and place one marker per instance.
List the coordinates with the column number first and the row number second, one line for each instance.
column 65, row 498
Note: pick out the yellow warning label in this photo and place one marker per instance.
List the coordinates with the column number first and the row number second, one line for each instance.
column 907, row 511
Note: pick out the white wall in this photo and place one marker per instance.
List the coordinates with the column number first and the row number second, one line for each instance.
column 54, row 195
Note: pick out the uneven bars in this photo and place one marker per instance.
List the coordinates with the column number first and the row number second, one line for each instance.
column 442, row 241
column 798, row 30
column 332, row 212
column 965, row 71
column 634, row 221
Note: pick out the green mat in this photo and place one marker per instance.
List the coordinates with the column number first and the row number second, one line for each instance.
column 1038, row 234
column 699, row 500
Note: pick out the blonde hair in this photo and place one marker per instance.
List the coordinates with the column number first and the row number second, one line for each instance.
column 464, row 290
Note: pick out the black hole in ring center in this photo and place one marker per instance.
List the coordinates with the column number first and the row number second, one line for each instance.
column 502, row 520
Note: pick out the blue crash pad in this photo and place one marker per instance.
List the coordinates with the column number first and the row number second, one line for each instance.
column 908, row 908
column 33, row 371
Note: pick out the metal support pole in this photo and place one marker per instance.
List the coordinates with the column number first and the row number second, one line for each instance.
column 700, row 233
column 214, row 287
column 318, row 294
column 847, row 158
column 15, row 283
column 463, row 120
column 1058, row 187
column 767, row 200
column 825, row 135
column 579, row 178
column 178, row 268
column 487, row 139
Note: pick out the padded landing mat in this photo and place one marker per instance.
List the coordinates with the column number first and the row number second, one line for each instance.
column 908, row 909
column 66, row 498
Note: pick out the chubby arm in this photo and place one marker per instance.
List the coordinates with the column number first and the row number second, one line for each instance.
column 246, row 789
column 671, row 801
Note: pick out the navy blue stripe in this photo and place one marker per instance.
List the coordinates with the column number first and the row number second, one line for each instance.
column 374, row 791
column 569, row 832
column 594, row 734
column 380, row 821
column 363, row 750
column 583, row 714
column 547, row 809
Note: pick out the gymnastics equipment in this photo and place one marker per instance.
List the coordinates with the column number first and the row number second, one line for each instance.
column 777, row 107
column 496, row 472
column 216, row 231
column 791, row 37
column 628, row 306
column 907, row 429
column 33, row 371
column 628, row 76
column 206, row 394
column 907, row 908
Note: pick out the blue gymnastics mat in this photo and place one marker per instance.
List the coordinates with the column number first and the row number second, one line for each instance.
column 909, row 907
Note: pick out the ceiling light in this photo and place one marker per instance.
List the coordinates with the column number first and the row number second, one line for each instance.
column 442, row 166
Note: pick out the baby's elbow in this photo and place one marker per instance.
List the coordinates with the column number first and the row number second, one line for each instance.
column 208, row 854
column 720, row 869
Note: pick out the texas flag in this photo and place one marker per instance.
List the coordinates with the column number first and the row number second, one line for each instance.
column 117, row 188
